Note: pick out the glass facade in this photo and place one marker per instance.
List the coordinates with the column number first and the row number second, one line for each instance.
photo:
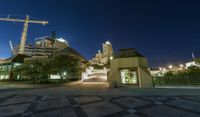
column 5, row 71
column 15, row 65
column 2, row 77
column 128, row 76
column 5, row 67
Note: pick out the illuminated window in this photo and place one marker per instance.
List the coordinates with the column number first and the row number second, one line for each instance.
column 1, row 77
column 6, row 76
column 4, row 68
column 8, row 67
column 128, row 76
column 16, row 65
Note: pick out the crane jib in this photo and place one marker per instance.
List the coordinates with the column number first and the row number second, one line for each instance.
column 24, row 33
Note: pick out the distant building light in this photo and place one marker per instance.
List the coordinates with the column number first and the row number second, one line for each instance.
column 160, row 68
column 108, row 43
column 170, row 66
column 181, row 65
column 164, row 69
column 191, row 63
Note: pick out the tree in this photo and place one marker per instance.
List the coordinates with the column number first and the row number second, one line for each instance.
column 194, row 70
column 33, row 70
column 64, row 65
column 47, row 69
column 39, row 70
column 197, row 61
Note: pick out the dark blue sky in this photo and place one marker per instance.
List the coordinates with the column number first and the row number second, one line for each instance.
column 165, row 31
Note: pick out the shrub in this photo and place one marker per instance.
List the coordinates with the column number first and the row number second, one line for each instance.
column 178, row 80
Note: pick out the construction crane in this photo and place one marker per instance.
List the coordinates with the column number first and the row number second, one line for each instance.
column 25, row 29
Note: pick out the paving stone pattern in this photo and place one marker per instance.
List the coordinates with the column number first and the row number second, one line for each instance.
column 99, row 106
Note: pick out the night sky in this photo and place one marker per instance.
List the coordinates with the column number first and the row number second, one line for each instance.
column 166, row 32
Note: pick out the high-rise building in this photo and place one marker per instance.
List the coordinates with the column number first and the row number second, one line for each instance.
column 102, row 58
column 107, row 49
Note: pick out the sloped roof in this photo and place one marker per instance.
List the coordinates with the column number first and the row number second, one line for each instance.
column 71, row 51
column 129, row 52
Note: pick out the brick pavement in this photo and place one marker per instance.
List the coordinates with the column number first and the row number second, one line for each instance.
column 27, row 105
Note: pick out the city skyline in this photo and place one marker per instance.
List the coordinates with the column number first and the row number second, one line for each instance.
column 164, row 32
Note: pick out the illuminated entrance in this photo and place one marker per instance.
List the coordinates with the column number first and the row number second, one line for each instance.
column 129, row 76
column 94, row 75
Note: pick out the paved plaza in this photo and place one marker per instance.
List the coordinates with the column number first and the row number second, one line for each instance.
column 99, row 106
column 98, row 101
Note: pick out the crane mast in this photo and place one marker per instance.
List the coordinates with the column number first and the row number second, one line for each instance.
column 25, row 29
column 23, row 38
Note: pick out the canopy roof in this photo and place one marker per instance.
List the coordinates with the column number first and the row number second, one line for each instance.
column 71, row 51
column 129, row 52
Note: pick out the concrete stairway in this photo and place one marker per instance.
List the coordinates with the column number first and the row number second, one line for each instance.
column 99, row 75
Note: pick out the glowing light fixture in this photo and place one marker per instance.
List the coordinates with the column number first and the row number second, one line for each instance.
column 64, row 73
column 164, row 69
column 160, row 68
column 108, row 43
column 111, row 58
column 170, row 66
column 181, row 65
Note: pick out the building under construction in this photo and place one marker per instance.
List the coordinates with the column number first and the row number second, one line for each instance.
column 43, row 47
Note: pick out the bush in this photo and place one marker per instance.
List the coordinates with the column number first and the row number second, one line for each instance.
column 39, row 71
column 178, row 80
column 190, row 76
